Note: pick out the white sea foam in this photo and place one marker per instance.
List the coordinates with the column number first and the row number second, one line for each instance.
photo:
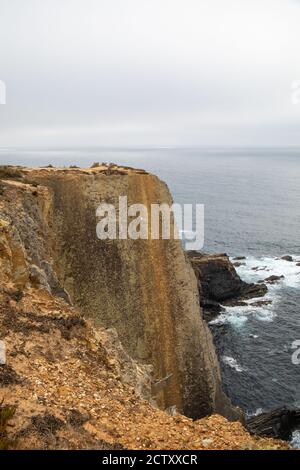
column 295, row 440
column 238, row 316
column 234, row 315
column 258, row 411
column 231, row 362
column 269, row 267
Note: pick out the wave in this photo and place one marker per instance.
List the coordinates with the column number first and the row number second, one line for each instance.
column 255, row 270
column 238, row 316
column 258, row 411
column 231, row 362
column 295, row 440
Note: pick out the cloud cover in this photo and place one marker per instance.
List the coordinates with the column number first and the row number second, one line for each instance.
column 140, row 72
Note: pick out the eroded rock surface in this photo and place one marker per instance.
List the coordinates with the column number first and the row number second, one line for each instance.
column 82, row 375
column 219, row 283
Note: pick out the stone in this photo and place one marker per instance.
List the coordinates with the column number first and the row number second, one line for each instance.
column 261, row 303
column 278, row 423
column 273, row 279
column 287, row 258
column 260, row 268
column 218, row 280
column 2, row 353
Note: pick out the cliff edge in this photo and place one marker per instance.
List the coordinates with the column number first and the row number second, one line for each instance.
column 145, row 289
column 92, row 328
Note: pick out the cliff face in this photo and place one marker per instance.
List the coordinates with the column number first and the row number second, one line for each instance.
column 74, row 384
column 144, row 289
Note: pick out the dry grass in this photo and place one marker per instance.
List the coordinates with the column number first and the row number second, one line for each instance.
column 10, row 172
column 7, row 412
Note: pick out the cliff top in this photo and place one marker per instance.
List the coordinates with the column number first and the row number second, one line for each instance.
column 16, row 171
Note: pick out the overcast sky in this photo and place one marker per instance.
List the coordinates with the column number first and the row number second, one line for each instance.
column 149, row 72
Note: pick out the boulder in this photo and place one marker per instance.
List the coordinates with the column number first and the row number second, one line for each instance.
column 278, row 423
column 260, row 268
column 261, row 303
column 287, row 258
column 218, row 282
column 211, row 309
column 2, row 353
column 273, row 279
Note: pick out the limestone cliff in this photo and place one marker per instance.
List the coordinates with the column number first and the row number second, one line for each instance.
column 145, row 289
column 78, row 385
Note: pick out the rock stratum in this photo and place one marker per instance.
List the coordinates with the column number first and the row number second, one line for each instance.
column 104, row 339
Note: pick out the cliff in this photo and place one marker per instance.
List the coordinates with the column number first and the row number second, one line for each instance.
column 92, row 327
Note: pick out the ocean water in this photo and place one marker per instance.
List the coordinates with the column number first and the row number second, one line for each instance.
column 252, row 208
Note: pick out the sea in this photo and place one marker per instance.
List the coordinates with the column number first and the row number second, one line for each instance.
column 251, row 200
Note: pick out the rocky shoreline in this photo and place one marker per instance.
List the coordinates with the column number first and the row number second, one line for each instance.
column 88, row 329
column 220, row 285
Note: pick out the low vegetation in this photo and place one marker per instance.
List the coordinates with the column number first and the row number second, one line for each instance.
column 10, row 172
column 7, row 412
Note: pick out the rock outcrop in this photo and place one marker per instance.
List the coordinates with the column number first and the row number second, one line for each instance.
column 91, row 329
column 145, row 289
column 218, row 282
column 279, row 423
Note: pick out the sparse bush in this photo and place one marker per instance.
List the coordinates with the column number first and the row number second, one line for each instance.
column 7, row 412
column 10, row 172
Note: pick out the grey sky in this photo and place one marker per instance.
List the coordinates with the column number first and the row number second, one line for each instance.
column 149, row 72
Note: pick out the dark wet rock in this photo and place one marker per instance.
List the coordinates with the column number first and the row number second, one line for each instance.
column 219, row 282
column 217, row 277
column 237, row 264
column 211, row 309
column 251, row 291
column 261, row 303
column 287, row 258
column 239, row 258
column 260, row 268
column 235, row 303
column 297, row 264
column 273, row 279
column 279, row 423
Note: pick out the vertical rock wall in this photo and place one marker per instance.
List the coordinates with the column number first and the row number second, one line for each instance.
column 146, row 289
